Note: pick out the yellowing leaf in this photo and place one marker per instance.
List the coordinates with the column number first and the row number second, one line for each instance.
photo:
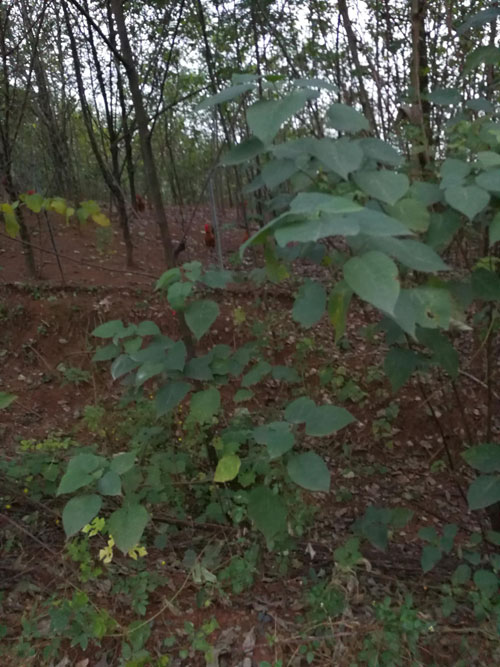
column 101, row 219
column 69, row 212
column 58, row 205
column 11, row 224
column 227, row 468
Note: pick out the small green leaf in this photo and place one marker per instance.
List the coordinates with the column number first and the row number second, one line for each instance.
column 483, row 492
column 267, row 510
column 326, row 419
column 246, row 150
column 342, row 156
column 80, row 511
column 6, row 399
column 226, row 95
column 110, row 484
column 285, row 374
column 256, row 374
column 243, row 395
column 487, row 582
column 309, row 471
column 384, row 185
column 276, row 436
column 170, row 395
column 227, row 469
column 122, row 462
column 399, row 365
column 204, row 405
column 200, row 315
column 267, row 116
column 468, row 199
column 374, row 278
column 412, row 213
column 108, row 329
column 127, row 524
column 338, row 306
column 431, row 556
column 494, row 229
column 461, row 575
column 106, row 353
column 310, row 303
column 148, row 328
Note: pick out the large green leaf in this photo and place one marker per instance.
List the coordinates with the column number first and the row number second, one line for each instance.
column 489, row 180
column 200, row 315
column 426, row 193
column 468, row 199
column 314, row 202
column 170, row 395
column 442, row 229
column 204, row 405
column 488, row 159
column 487, row 54
column 484, row 457
column 310, row 304
column 485, row 285
column 226, row 95
column 338, row 305
column 412, row 254
column 80, row 511
column 374, row 278
column 412, row 213
column 247, row 150
column 316, row 228
column 327, row 419
column 298, row 411
column 381, row 151
column 309, row 471
column 126, row 525
column 276, row 172
column 376, row 223
column 276, row 436
column 454, row 172
column 382, row 184
column 483, row 492
column 82, row 470
column 478, row 19
column 346, row 119
column 267, row 116
column 444, row 96
column 267, row 510
column 342, row 156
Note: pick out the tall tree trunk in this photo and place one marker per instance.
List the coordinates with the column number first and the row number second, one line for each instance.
column 108, row 176
column 144, row 133
column 353, row 48
column 148, row 156
column 419, row 78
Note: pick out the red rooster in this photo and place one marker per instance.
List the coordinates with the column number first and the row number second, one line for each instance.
column 140, row 204
column 209, row 236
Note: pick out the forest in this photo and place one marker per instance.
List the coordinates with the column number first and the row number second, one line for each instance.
column 249, row 333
